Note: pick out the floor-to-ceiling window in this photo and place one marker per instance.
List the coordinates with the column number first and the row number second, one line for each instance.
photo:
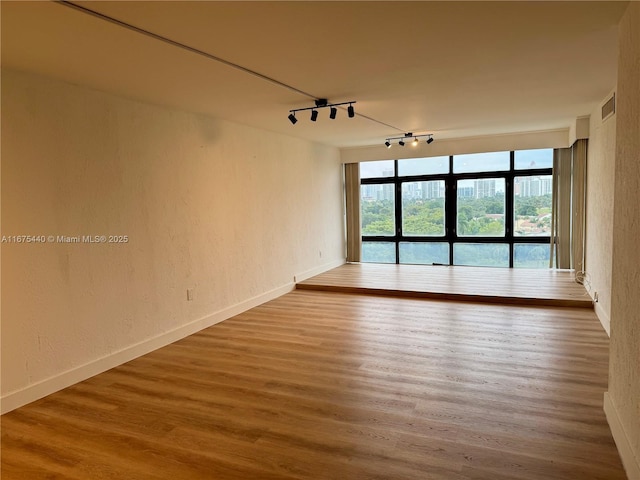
column 485, row 209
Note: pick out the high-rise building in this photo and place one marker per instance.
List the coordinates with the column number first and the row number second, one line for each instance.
column 484, row 188
column 534, row 186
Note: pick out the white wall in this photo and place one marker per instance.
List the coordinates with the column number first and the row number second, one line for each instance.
column 599, row 224
column 229, row 211
column 622, row 402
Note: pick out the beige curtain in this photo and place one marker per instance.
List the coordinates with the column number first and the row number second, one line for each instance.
column 561, row 221
column 578, row 203
column 352, row 200
column 569, row 197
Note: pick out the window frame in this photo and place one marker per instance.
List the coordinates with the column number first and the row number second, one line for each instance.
column 451, row 207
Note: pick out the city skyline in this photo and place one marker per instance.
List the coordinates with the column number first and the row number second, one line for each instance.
column 527, row 186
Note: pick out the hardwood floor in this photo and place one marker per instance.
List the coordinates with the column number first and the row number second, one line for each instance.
column 318, row 385
column 480, row 284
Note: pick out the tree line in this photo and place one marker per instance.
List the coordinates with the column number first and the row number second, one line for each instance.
column 476, row 216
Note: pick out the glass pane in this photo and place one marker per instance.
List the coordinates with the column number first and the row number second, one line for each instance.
column 531, row 255
column 481, row 162
column 481, row 254
column 378, row 252
column 382, row 168
column 481, row 206
column 424, row 253
column 540, row 158
column 423, row 208
column 532, row 205
column 377, row 209
column 423, row 166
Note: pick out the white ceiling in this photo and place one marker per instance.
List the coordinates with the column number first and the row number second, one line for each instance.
column 454, row 69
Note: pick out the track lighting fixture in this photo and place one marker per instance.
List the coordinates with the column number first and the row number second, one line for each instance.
column 323, row 103
column 415, row 139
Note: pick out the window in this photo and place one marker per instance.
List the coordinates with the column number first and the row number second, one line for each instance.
column 383, row 168
column 377, row 209
column 530, row 255
column 378, row 252
column 424, row 253
column 423, row 166
column 533, row 159
column 481, row 162
column 423, row 208
column 532, row 205
column 485, row 209
column 481, row 207
column 481, row 254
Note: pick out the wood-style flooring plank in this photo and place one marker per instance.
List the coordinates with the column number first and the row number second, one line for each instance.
column 544, row 287
column 318, row 385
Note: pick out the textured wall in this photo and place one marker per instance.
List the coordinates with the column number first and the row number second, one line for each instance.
column 599, row 228
column 229, row 211
column 624, row 363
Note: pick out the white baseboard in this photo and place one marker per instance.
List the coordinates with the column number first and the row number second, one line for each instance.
column 629, row 460
column 18, row 398
column 299, row 277
column 603, row 317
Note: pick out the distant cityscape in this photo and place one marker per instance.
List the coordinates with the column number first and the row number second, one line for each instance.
column 529, row 186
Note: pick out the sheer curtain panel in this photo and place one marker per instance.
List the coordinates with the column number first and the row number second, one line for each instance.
column 568, row 212
column 352, row 201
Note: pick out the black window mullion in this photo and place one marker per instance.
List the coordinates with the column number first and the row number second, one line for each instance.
column 508, row 213
column 398, row 209
column 511, row 254
column 450, row 213
column 450, row 199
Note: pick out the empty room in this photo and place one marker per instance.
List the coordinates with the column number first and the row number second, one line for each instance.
column 320, row 240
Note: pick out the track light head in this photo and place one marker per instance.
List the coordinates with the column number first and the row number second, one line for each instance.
column 430, row 140
column 322, row 103
column 387, row 144
column 401, row 143
column 415, row 141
